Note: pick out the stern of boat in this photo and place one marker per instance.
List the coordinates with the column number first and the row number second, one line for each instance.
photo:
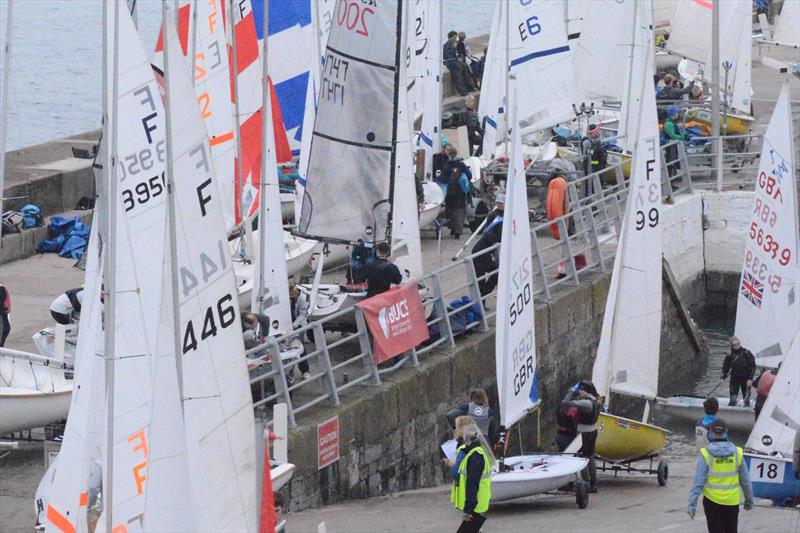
column 623, row 439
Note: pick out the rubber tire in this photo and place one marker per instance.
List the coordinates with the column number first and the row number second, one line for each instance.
column 663, row 473
column 581, row 494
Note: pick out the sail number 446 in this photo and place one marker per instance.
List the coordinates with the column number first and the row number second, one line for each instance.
column 223, row 313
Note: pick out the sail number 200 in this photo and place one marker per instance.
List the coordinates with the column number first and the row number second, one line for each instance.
column 352, row 14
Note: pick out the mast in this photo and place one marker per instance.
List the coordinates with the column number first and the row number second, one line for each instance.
column 317, row 36
column 172, row 225
column 237, row 130
column 398, row 56
column 506, row 70
column 110, row 248
column 715, row 89
column 4, row 105
column 627, row 132
column 437, row 135
column 193, row 43
column 262, row 204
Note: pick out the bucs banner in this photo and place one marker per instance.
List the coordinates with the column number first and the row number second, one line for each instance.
column 396, row 319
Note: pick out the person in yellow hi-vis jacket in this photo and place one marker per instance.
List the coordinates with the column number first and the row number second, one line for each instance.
column 722, row 476
column 472, row 488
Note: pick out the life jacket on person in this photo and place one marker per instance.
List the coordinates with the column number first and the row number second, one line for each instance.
column 590, row 418
column 481, row 415
column 72, row 294
column 556, row 191
column 567, row 419
column 459, row 493
column 765, row 382
column 722, row 481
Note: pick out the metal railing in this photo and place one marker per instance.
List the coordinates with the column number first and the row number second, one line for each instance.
column 339, row 364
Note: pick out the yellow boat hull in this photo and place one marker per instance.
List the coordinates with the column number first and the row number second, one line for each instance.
column 732, row 125
column 613, row 159
column 622, row 439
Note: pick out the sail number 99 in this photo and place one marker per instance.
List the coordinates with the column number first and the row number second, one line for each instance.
column 650, row 220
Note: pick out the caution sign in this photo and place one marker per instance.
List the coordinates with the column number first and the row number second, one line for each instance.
column 328, row 442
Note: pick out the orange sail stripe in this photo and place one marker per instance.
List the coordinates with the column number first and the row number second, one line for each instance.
column 59, row 520
column 219, row 139
column 84, row 501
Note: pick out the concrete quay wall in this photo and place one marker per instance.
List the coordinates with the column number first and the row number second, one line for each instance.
column 390, row 434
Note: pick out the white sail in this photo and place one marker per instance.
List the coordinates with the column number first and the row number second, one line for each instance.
column 271, row 294
column 493, row 85
column 406, row 244
column 663, row 12
column 140, row 154
column 768, row 310
column 515, row 343
column 739, row 88
column 218, row 412
column 690, row 33
column 600, row 58
column 786, row 29
column 419, row 18
column 538, row 50
column 350, row 168
column 80, row 446
column 430, row 134
column 780, row 416
column 628, row 352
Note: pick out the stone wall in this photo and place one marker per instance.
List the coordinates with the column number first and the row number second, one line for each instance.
column 725, row 219
column 390, row 434
column 682, row 243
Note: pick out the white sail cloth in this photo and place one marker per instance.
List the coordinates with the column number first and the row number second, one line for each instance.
column 430, row 134
column 786, row 29
column 515, row 342
column 493, row 85
column 350, row 170
column 628, row 352
column 768, row 304
column 219, row 431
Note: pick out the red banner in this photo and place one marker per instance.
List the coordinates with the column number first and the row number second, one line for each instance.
column 396, row 319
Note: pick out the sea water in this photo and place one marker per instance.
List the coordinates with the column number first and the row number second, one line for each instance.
column 56, row 61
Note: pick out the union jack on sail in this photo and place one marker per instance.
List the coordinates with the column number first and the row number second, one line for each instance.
column 752, row 289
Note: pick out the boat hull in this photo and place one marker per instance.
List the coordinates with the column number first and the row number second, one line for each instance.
column 623, row 439
column 690, row 409
column 534, row 474
column 732, row 124
column 773, row 478
column 22, row 409
column 280, row 474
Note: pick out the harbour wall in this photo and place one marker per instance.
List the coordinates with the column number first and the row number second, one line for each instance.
column 390, row 434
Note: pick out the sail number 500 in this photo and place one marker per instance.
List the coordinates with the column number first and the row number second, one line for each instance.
column 353, row 15
column 518, row 304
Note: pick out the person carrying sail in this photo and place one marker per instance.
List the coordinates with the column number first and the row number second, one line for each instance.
column 492, row 234
column 472, row 491
column 478, row 408
column 583, row 396
column 722, row 476
column 741, row 365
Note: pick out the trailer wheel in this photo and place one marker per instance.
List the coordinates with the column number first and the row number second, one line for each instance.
column 662, row 473
column 581, row 494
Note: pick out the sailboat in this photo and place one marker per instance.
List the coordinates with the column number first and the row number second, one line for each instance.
column 785, row 32
column 767, row 310
column 360, row 182
column 515, row 348
column 769, row 447
column 628, row 352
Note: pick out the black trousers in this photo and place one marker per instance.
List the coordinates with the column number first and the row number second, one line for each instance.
column 672, row 155
column 61, row 318
column 587, row 450
column 474, row 525
column 735, row 388
column 721, row 518
column 6, row 329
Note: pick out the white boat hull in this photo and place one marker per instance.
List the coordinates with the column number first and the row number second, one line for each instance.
column 534, row 474
column 281, row 474
column 22, row 409
column 332, row 299
column 690, row 409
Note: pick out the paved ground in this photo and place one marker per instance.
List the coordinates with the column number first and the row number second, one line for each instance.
column 624, row 504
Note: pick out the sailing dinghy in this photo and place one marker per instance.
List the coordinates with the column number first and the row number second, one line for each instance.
column 628, row 352
column 515, row 348
column 767, row 309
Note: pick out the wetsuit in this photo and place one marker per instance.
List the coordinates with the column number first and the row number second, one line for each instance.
column 588, row 411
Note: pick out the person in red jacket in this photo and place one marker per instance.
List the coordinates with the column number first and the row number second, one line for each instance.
column 763, row 384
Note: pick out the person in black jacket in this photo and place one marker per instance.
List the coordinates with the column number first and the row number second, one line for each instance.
column 459, row 182
column 382, row 274
column 492, row 234
column 473, row 123
column 5, row 309
column 741, row 365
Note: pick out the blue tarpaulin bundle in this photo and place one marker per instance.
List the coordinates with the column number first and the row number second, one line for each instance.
column 68, row 237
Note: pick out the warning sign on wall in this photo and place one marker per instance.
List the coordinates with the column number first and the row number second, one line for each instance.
column 328, row 442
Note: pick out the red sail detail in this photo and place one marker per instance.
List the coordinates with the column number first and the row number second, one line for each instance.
column 183, row 30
